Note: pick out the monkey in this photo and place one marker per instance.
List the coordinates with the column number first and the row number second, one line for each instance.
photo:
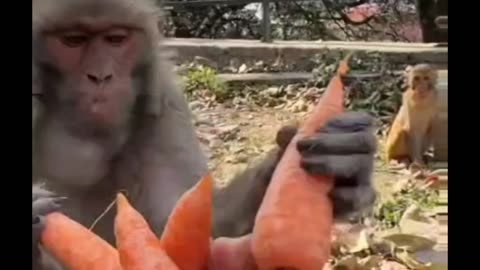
column 108, row 117
column 411, row 133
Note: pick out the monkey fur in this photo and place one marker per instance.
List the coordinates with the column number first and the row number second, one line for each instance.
column 107, row 117
column 411, row 133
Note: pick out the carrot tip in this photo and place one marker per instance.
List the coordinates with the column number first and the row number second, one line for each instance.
column 343, row 67
column 121, row 200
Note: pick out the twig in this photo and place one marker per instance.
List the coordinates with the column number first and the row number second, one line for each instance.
column 104, row 212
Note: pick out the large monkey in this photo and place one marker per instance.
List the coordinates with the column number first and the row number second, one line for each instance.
column 412, row 130
column 108, row 117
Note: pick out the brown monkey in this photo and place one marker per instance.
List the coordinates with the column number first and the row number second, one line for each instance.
column 412, row 130
column 108, row 117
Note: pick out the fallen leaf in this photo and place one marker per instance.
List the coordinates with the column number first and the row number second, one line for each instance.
column 409, row 241
column 407, row 258
column 349, row 262
column 370, row 262
column 391, row 265
column 362, row 243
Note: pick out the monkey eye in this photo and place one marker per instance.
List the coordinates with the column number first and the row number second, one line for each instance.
column 116, row 39
column 74, row 40
column 426, row 78
column 416, row 78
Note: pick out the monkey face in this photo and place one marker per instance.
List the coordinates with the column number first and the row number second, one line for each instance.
column 95, row 63
column 422, row 78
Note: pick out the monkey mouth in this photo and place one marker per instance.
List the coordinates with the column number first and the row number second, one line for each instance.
column 97, row 103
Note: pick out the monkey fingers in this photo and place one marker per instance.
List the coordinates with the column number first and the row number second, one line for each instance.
column 348, row 122
column 38, row 192
column 339, row 166
column 45, row 205
column 338, row 144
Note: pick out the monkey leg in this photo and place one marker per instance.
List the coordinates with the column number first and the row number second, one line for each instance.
column 396, row 146
column 415, row 144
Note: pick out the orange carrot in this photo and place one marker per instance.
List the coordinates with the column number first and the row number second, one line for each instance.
column 232, row 254
column 293, row 226
column 186, row 237
column 76, row 247
column 137, row 245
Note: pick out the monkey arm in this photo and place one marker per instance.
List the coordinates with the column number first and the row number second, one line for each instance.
column 236, row 205
column 344, row 148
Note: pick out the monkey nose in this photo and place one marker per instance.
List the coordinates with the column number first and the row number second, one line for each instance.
column 99, row 79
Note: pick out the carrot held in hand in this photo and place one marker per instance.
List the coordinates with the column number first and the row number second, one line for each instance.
column 293, row 225
column 76, row 247
column 186, row 237
column 232, row 254
column 137, row 245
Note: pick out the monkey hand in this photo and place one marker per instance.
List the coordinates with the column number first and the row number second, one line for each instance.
column 344, row 148
column 44, row 202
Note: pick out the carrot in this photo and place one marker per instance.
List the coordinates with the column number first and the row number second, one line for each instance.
column 232, row 254
column 76, row 247
column 137, row 245
column 186, row 237
column 293, row 226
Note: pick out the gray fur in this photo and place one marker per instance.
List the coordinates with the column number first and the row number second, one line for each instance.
column 155, row 162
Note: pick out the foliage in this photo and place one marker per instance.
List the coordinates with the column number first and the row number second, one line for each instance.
column 379, row 94
column 390, row 211
column 379, row 91
column 200, row 79
column 296, row 20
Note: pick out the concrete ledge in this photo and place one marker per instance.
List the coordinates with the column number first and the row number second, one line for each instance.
column 299, row 53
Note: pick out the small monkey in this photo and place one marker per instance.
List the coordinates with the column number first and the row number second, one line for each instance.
column 412, row 130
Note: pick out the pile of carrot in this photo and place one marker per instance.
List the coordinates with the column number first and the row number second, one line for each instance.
column 180, row 247
column 292, row 228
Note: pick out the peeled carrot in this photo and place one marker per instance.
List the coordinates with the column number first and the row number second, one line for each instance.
column 293, row 226
column 137, row 245
column 186, row 237
column 76, row 247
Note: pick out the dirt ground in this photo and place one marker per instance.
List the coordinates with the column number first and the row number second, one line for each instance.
column 233, row 138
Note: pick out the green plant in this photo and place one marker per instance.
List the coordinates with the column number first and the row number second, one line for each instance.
column 200, row 80
column 390, row 211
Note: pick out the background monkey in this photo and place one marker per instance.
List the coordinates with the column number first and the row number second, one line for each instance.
column 412, row 130
column 108, row 117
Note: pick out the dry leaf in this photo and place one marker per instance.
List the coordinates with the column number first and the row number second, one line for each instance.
column 370, row 262
column 410, row 241
column 407, row 258
column 349, row 262
column 363, row 242
column 390, row 265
